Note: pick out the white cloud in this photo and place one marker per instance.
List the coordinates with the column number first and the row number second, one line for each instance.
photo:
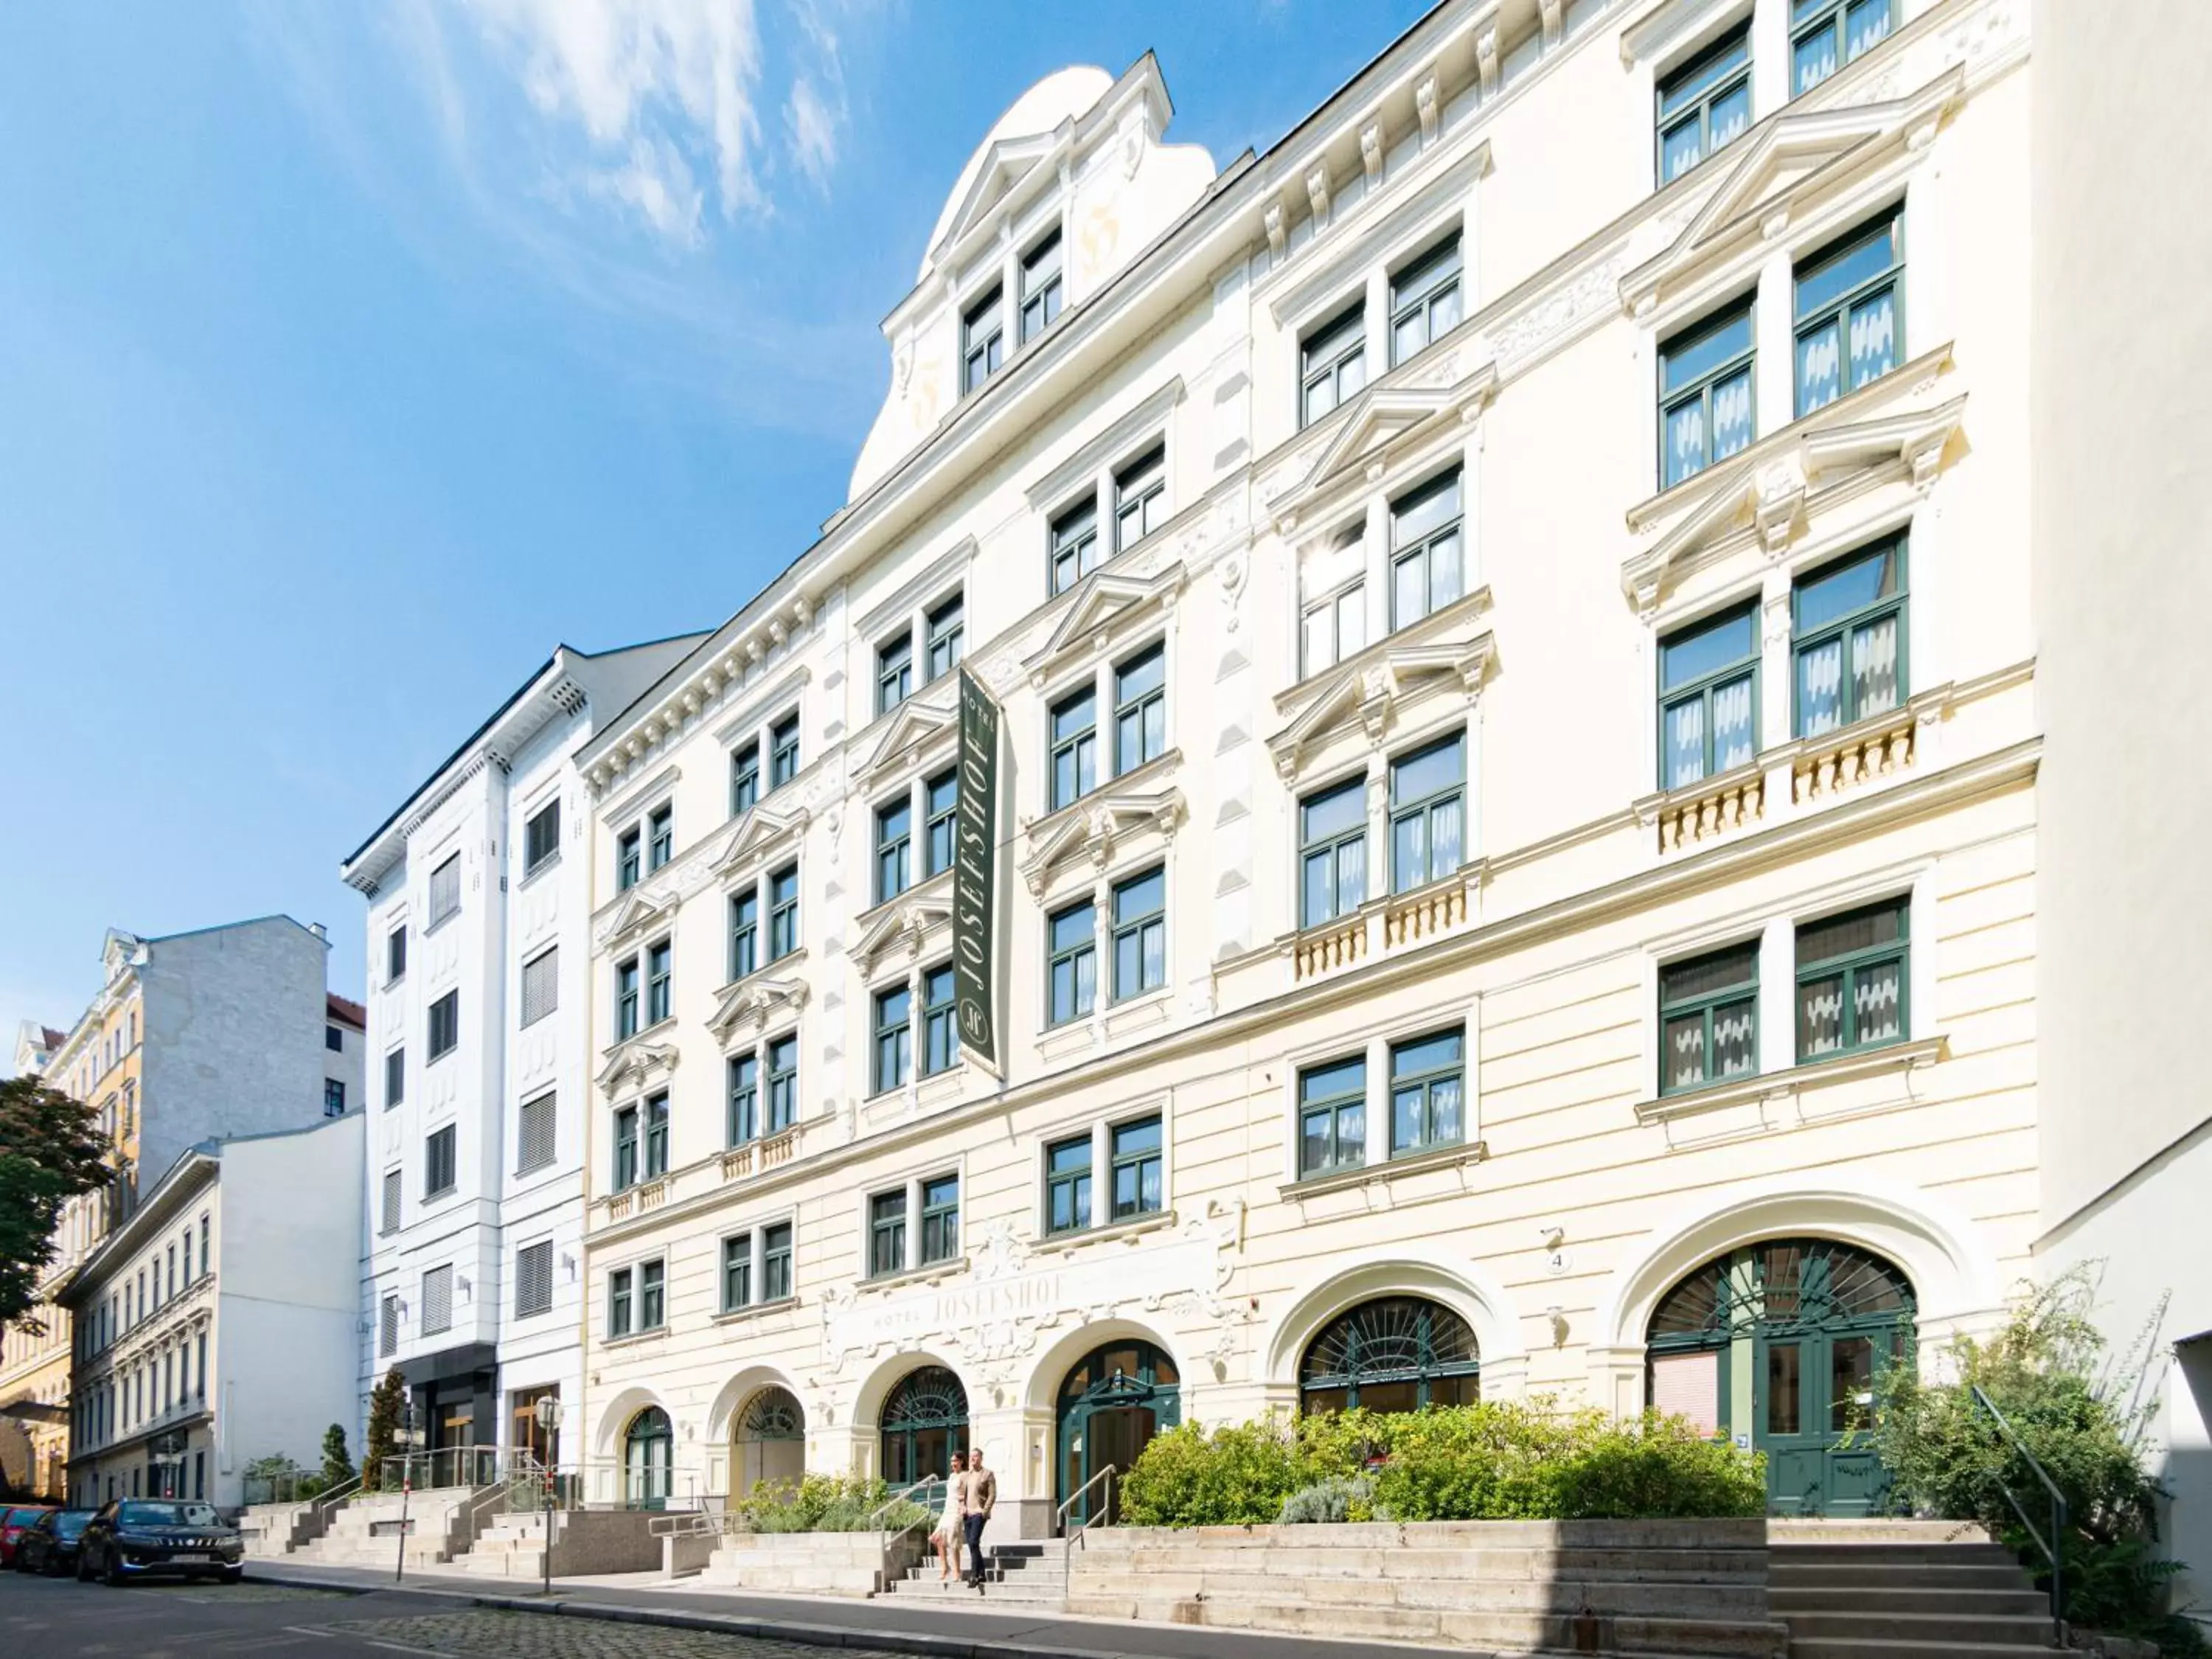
column 656, row 185
column 812, row 126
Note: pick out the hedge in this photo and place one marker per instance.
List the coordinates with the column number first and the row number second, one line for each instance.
column 826, row 1503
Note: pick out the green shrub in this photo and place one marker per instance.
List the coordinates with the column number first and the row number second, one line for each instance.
column 827, row 1502
column 1335, row 1498
column 1238, row 1475
column 1659, row 1469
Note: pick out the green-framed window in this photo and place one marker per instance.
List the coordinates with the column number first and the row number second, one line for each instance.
column 940, row 1219
column 1040, row 286
column 1850, row 312
column 1140, row 1171
column 887, row 1233
column 1074, row 544
column 1853, row 971
column 1428, row 1092
column 1333, row 1116
column 1072, row 951
column 982, row 340
column 893, row 672
column 1141, row 934
column 1705, row 105
column 1826, row 34
column 940, row 801
column 744, row 1098
column 783, row 751
column 783, row 912
column 1709, row 697
column 745, row 933
column 1140, row 708
column 1705, row 400
column 1067, row 1185
column 659, row 982
column 1427, row 567
column 656, row 1136
column 894, row 848
column 651, row 1295
column 737, row 1272
column 1848, row 635
column 660, row 830
column 1709, row 1018
column 946, row 636
column 782, row 1085
column 1332, row 852
column 1140, row 498
column 620, row 1298
column 626, row 998
column 625, row 1170
column 894, row 1035
column 745, row 777
column 776, row 1263
column 1332, row 363
column 1074, row 746
column 1428, row 813
column 1424, row 302
column 941, row 1023
column 629, row 856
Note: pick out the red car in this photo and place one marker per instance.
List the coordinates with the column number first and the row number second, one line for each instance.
column 13, row 1524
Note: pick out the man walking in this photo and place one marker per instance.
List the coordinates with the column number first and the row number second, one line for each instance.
column 979, row 1495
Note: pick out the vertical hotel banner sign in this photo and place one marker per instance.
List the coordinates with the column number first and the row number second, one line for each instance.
column 976, row 877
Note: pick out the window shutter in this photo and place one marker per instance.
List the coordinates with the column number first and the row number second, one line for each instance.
column 536, row 1147
column 445, row 890
column 391, row 1201
column 533, row 1279
column 541, row 986
column 437, row 1300
column 388, row 1339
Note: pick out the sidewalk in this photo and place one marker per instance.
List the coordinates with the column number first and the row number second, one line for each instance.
column 967, row 1630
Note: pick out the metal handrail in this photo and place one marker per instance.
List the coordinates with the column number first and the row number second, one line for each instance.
column 2054, row 1545
column 887, row 1538
column 1068, row 1539
column 323, row 1503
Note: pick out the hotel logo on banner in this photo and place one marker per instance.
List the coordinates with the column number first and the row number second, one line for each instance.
column 976, row 877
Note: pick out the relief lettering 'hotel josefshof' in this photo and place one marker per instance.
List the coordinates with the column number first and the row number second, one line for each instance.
column 1510, row 864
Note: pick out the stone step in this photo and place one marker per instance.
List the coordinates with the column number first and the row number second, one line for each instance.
column 1888, row 1648
column 1900, row 1575
column 1009, row 1594
column 1509, row 1633
column 1999, row 1603
column 1453, row 1594
column 1781, row 1531
column 1920, row 1629
column 1871, row 1555
column 1747, row 1567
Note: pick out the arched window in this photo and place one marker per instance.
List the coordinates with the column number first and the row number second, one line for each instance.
column 647, row 1444
column 1396, row 1353
column 768, row 1440
column 924, row 1421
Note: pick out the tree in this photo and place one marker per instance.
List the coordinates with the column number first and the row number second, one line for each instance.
column 337, row 1466
column 51, row 1149
column 386, row 1407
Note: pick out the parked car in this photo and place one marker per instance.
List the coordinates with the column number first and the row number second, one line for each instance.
column 14, row 1522
column 134, row 1537
column 50, row 1546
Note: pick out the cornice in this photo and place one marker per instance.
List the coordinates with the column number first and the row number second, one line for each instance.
column 1318, row 286
column 1392, row 421
column 1378, row 692
column 760, row 998
column 924, row 723
column 661, row 783
column 635, row 1062
column 1091, row 828
column 915, row 916
column 1106, row 603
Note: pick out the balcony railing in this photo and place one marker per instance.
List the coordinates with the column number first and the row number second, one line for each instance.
column 1383, row 925
column 757, row 1155
column 1865, row 754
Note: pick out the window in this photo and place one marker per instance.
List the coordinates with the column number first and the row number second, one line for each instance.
column 1848, row 635
column 736, row 1273
column 940, row 1219
column 626, row 1002
column 887, row 1233
column 1332, row 364
column 941, row 801
column 1825, row 34
column 776, row 1263
column 656, row 1136
column 947, row 632
column 1074, row 746
column 388, row 1222
column 1074, row 545
column 1067, row 1185
column 1426, row 568
column 894, row 848
column 445, row 1024
column 188, row 1255
column 1705, row 394
column 333, row 1039
column 1332, row 853
column 387, row 1326
column 395, row 956
column 1137, row 1168
column 1140, row 709
column 745, row 933
column 1426, row 1088
column 1709, row 1018
column 1851, row 981
column 1847, row 297
column 437, row 1300
column 783, row 752
column 783, row 912
column 894, row 672
column 1705, row 105
column 625, row 1149
column 333, row 1097
column 1334, row 625
column 630, row 855
column 660, row 832
column 535, row 1143
column 533, row 1279
column 1141, row 934
column 1072, row 946
column 618, row 1302
column 659, row 980
column 652, row 1296
column 1427, row 814
column 782, row 1083
column 541, row 985
column 1333, row 1116
column 745, row 778
column 1041, row 287
column 893, row 1032
column 1424, row 302
column 1708, row 698
column 940, row 1046
column 982, row 342
column 541, row 836
column 744, row 1073
column 1140, row 498
column 445, row 889
column 439, row 1159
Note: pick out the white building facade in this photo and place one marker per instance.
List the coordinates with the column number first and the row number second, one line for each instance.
column 478, row 1066
column 1516, row 811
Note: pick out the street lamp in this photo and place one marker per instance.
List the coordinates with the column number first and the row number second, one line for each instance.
column 406, row 1483
column 547, row 1411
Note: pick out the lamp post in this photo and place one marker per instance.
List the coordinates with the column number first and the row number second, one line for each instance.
column 406, row 1485
column 547, row 1410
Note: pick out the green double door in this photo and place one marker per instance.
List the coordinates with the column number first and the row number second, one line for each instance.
column 1813, row 1388
column 1111, row 1405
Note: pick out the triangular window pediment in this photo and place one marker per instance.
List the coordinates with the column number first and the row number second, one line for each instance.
column 1093, row 829
column 1381, row 424
column 909, row 917
column 1372, row 692
column 635, row 1064
column 910, row 728
column 756, row 1000
column 1010, row 162
column 1107, row 602
column 763, row 828
column 635, row 911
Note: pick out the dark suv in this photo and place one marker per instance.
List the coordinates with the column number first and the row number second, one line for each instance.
column 133, row 1537
column 50, row 1546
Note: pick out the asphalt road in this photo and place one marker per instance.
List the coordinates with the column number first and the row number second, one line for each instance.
column 59, row 1619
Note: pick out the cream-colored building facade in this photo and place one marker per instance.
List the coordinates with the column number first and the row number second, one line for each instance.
column 1555, row 917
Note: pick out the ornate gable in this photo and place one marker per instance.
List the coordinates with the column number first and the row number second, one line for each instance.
column 1372, row 689
column 1093, row 828
column 912, row 727
column 635, row 912
column 1106, row 602
column 1008, row 162
column 1388, row 419
column 633, row 1064
column 767, row 828
column 909, row 917
column 755, row 1001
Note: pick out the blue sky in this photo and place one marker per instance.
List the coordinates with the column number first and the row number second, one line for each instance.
column 352, row 356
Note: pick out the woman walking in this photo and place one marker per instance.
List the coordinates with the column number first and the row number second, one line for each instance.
column 947, row 1537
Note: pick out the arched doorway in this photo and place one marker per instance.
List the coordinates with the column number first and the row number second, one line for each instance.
column 1778, row 1344
column 1113, row 1401
column 768, row 1441
column 649, row 1448
column 1396, row 1354
column 924, row 1422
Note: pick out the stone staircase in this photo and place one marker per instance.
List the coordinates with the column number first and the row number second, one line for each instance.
column 513, row 1547
column 365, row 1531
column 273, row 1531
column 846, row 1564
column 1016, row 1575
column 584, row 1541
column 1903, row 1589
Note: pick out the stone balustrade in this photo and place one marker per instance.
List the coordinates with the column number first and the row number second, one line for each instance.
column 1327, row 949
column 1864, row 753
column 1686, row 820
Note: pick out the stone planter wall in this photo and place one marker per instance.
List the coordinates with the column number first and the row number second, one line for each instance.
column 812, row 1563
